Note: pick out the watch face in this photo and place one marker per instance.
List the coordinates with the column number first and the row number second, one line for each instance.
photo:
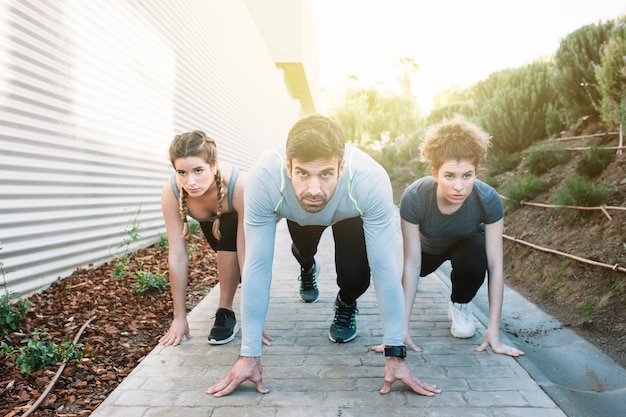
column 396, row 351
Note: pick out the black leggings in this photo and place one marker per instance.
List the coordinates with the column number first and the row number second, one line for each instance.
column 228, row 231
column 351, row 265
column 469, row 265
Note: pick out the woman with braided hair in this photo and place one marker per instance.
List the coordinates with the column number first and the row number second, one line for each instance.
column 211, row 193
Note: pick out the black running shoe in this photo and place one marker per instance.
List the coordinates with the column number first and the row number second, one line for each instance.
column 225, row 328
column 343, row 328
column 309, row 292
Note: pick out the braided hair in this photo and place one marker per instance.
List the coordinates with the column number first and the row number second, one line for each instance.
column 197, row 143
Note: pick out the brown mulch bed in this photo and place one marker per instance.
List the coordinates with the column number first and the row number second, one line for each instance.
column 125, row 328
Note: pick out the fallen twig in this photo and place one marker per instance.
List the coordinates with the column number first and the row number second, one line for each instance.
column 615, row 267
column 43, row 396
column 595, row 135
column 603, row 208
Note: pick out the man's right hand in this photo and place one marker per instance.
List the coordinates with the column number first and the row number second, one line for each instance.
column 245, row 369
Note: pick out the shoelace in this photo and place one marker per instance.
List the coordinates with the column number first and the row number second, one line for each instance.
column 220, row 319
column 307, row 280
column 344, row 316
column 463, row 311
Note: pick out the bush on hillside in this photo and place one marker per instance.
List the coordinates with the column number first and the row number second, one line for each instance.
column 593, row 161
column 512, row 105
column 580, row 191
column 611, row 75
column 524, row 188
column 501, row 162
column 575, row 76
column 543, row 157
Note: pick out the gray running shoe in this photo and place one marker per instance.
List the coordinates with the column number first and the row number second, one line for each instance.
column 343, row 328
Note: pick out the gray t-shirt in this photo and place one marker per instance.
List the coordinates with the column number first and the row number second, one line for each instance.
column 438, row 231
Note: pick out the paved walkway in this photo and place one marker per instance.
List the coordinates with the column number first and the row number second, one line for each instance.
column 310, row 376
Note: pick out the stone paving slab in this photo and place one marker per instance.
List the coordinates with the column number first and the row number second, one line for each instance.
column 308, row 375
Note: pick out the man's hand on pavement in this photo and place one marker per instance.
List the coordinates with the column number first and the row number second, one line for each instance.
column 245, row 369
column 397, row 369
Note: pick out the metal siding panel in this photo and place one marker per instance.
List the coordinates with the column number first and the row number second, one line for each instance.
column 91, row 94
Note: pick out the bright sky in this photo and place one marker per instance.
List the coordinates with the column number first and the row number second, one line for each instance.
column 454, row 42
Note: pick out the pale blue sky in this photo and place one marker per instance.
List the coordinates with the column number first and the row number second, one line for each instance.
column 455, row 42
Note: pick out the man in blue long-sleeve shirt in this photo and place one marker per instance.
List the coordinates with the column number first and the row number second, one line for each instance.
column 319, row 182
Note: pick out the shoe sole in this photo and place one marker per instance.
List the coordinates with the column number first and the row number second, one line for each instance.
column 461, row 335
column 338, row 340
column 224, row 341
column 311, row 301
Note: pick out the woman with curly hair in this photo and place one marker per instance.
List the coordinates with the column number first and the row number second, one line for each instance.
column 452, row 215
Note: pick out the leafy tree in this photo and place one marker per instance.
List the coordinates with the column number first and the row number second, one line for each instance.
column 575, row 61
column 449, row 103
column 611, row 75
column 366, row 116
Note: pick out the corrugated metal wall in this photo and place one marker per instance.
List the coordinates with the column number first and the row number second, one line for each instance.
column 91, row 94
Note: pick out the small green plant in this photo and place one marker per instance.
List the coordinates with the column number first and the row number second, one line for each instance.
column 587, row 309
column 500, row 162
column 194, row 227
column 579, row 191
column 615, row 286
column 543, row 157
column 162, row 243
column 121, row 265
column 192, row 248
column 12, row 313
column 150, row 282
column 524, row 188
column 560, row 274
column 40, row 352
column 593, row 161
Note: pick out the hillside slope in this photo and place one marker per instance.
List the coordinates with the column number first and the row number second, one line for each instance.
column 588, row 299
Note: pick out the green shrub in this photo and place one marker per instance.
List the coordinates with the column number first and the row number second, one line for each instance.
column 162, row 243
column 575, row 75
column 513, row 104
column 579, row 191
column 194, row 227
column 11, row 312
column 501, row 162
column 150, row 282
column 524, row 188
column 611, row 76
column 40, row 352
column 593, row 161
column 543, row 157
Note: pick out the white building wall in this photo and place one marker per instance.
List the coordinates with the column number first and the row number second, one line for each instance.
column 91, row 94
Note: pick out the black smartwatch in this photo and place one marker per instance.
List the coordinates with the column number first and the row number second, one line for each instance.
column 395, row 351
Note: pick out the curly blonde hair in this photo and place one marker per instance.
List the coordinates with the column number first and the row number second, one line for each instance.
column 454, row 139
column 197, row 143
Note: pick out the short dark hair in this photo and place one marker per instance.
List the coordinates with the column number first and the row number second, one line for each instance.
column 315, row 137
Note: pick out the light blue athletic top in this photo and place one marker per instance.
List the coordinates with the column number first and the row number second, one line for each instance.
column 364, row 190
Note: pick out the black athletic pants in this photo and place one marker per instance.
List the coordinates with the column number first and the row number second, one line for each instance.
column 351, row 265
column 469, row 265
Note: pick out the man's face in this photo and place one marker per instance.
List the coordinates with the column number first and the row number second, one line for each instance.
column 314, row 182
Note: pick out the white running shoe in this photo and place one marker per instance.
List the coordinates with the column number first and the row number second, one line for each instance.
column 462, row 320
